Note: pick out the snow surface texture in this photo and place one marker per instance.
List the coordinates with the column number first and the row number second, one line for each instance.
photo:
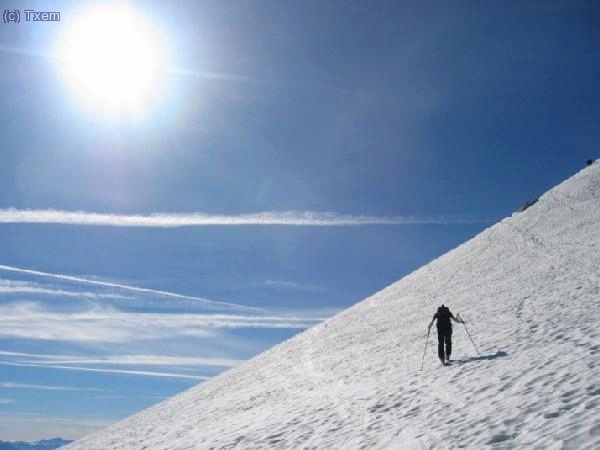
column 528, row 288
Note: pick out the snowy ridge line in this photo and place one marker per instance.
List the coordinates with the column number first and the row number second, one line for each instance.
column 165, row 220
column 528, row 289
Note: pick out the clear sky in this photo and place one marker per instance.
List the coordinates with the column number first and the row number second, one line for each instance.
column 185, row 184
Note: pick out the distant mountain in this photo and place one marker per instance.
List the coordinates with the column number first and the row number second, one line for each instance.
column 45, row 444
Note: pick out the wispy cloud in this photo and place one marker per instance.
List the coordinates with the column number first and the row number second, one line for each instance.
column 80, row 363
column 281, row 284
column 104, row 295
column 6, row 401
column 149, row 360
column 9, row 385
column 71, row 278
column 23, row 287
column 27, row 320
column 109, row 370
column 137, row 397
column 166, row 220
column 30, row 320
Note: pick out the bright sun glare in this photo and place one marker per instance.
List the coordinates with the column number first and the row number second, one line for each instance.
column 111, row 57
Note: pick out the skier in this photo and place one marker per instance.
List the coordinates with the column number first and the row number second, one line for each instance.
column 444, row 329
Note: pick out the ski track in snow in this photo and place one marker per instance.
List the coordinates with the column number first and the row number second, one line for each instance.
column 528, row 288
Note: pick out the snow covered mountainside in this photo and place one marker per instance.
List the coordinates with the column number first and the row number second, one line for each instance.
column 529, row 291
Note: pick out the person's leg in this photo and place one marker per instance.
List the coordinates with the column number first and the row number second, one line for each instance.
column 440, row 332
column 448, row 340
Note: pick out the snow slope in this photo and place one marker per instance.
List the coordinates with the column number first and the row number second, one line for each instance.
column 528, row 288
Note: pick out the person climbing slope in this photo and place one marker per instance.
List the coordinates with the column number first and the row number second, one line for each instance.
column 444, row 329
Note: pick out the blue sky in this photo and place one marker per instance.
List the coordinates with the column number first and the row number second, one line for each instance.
column 315, row 151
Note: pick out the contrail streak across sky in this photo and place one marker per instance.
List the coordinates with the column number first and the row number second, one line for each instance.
column 166, row 220
column 128, row 288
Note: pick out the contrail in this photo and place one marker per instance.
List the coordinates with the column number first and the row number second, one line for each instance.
column 10, row 385
column 120, row 371
column 127, row 359
column 128, row 288
column 165, row 220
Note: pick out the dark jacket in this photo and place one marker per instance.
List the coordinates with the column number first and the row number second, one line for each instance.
column 443, row 316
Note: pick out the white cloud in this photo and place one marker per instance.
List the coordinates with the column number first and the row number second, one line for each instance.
column 4, row 401
column 9, row 385
column 10, row 287
column 164, row 220
column 81, row 363
column 31, row 321
column 5, row 353
column 209, row 303
column 23, row 287
column 137, row 397
column 148, row 373
column 150, row 360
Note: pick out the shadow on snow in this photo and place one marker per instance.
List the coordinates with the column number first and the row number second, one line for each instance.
column 491, row 357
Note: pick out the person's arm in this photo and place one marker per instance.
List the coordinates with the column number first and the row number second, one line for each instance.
column 432, row 320
column 458, row 319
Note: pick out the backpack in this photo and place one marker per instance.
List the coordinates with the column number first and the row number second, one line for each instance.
column 443, row 316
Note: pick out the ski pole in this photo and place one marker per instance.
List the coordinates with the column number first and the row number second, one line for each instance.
column 424, row 351
column 468, row 334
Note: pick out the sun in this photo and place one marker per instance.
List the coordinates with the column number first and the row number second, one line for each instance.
column 111, row 58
